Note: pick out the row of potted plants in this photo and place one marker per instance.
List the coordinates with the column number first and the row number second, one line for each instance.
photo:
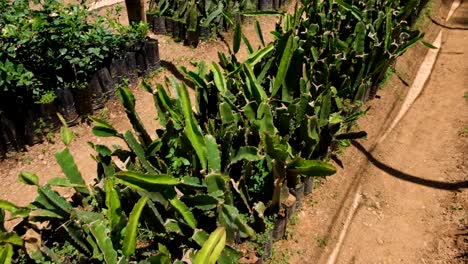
column 24, row 122
column 191, row 21
column 54, row 59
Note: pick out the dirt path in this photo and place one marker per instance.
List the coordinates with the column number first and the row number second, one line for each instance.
column 408, row 207
column 412, row 186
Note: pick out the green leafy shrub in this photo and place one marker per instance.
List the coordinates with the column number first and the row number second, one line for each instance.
column 56, row 45
column 214, row 16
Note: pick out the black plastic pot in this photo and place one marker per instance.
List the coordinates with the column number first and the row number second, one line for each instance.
column 299, row 193
column 238, row 18
column 268, row 247
column 224, row 26
column 279, row 229
column 3, row 144
column 2, row 147
column 141, row 62
column 98, row 99
column 150, row 21
column 192, row 38
column 308, row 185
column 275, row 4
column 290, row 206
column 107, row 83
column 265, row 4
column 372, row 92
column 175, row 30
column 31, row 136
column 132, row 72
column 152, row 54
column 48, row 113
column 83, row 101
column 204, row 33
column 16, row 116
column 182, row 31
column 169, row 25
column 8, row 134
column 66, row 106
column 159, row 25
column 118, row 68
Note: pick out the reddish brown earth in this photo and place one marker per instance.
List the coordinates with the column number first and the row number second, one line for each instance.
column 414, row 184
column 414, row 198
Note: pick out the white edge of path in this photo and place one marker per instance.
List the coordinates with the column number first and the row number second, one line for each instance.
column 104, row 3
column 422, row 76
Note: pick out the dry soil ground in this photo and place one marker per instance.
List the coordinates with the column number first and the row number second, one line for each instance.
column 414, row 198
column 413, row 184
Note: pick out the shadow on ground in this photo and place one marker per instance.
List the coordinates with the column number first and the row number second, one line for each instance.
column 449, row 186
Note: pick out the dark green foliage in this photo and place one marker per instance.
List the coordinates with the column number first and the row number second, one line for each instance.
column 213, row 16
column 56, row 45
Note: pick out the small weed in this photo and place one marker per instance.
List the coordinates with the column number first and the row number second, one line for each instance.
column 378, row 195
column 284, row 258
column 456, row 207
column 318, row 181
column 463, row 132
column 47, row 98
column 292, row 225
column 144, row 234
column 335, row 195
column 103, row 114
column 27, row 160
column 373, row 205
column 279, row 254
column 294, row 220
column 462, row 221
column 50, row 136
column 387, row 76
column 342, row 145
column 321, row 241
column 42, row 129
column 313, row 202
column 261, row 239
column 425, row 13
column 65, row 252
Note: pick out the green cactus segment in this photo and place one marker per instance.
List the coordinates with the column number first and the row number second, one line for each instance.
column 67, row 163
column 212, row 248
column 146, row 181
column 101, row 235
column 311, row 167
column 129, row 242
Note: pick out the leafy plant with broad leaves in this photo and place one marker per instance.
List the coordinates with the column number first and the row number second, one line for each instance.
column 54, row 45
column 101, row 222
